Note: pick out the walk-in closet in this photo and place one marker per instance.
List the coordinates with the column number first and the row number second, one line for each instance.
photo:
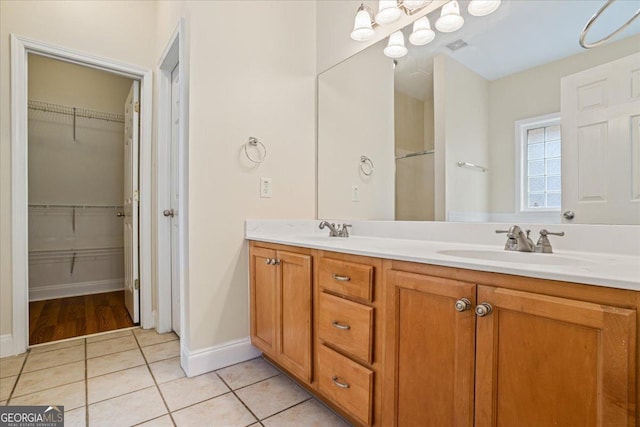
column 76, row 159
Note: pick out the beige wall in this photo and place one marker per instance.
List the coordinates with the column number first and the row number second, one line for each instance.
column 355, row 111
column 533, row 93
column 461, row 100
column 251, row 73
column 409, row 123
column 124, row 31
column 90, row 170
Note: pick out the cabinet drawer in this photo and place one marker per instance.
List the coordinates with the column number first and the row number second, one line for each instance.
column 347, row 383
column 346, row 278
column 346, row 325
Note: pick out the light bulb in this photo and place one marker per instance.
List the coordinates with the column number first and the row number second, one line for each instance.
column 422, row 32
column 388, row 12
column 483, row 7
column 362, row 29
column 396, row 48
column 450, row 19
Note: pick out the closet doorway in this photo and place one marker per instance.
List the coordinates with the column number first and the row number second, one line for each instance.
column 83, row 126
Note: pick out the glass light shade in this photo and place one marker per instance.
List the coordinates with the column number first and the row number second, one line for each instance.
column 483, row 7
column 415, row 4
column 450, row 19
column 388, row 12
column 396, row 48
column 362, row 29
column 422, row 32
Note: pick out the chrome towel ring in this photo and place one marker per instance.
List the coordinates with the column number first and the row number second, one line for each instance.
column 255, row 142
column 366, row 165
column 592, row 20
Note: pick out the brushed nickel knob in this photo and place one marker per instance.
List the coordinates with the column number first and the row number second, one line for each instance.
column 483, row 309
column 120, row 214
column 463, row 304
column 169, row 212
column 569, row 215
column 267, row 261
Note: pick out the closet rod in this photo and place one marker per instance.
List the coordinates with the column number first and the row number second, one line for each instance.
column 75, row 112
column 44, row 205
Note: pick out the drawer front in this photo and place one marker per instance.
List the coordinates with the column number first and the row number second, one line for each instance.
column 346, row 278
column 347, row 383
column 346, row 325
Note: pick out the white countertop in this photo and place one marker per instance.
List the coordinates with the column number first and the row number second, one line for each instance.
column 601, row 269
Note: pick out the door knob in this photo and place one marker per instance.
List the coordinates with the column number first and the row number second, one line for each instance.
column 169, row 212
column 463, row 304
column 483, row 309
column 569, row 215
column 120, row 214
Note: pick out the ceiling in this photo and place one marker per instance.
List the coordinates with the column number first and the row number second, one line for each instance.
column 520, row 35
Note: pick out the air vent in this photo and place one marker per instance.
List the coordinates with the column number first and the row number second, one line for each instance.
column 458, row 44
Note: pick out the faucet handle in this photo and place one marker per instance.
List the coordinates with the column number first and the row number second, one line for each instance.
column 343, row 231
column 502, row 231
column 544, row 245
column 545, row 232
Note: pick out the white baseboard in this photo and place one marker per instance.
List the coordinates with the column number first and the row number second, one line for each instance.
column 75, row 289
column 6, row 345
column 216, row 357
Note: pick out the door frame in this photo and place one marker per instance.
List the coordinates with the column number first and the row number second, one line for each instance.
column 172, row 56
column 20, row 48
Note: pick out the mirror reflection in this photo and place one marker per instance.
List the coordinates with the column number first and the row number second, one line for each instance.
column 506, row 120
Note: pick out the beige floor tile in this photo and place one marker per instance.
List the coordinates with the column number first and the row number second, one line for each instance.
column 247, row 373
column 148, row 337
column 36, row 362
column 114, row 362
column 187, row 391
column 310, row 414
column 162, row 351
column 55, row 346
column 223, row 411
column 71, row 396
column 270, row 396
column 116, row 345
column 164, row 421
column 118, row 383
column 75, row 417
column 109, row 335
column 10, row 366
column 127, row 410
column 167, row 370
column 31, row 382
column 6, row 385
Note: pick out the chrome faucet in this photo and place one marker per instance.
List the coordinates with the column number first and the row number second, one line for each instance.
column 544, row 246
column 517, row 240
column 339, row 231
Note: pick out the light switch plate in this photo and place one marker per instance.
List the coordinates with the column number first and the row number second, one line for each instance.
column 265, row 187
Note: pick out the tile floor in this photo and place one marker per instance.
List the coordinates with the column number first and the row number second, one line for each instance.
column 133, row 377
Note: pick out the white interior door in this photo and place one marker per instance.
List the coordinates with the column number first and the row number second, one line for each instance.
column 131, row 272
column 174, row 197
column 601, row 143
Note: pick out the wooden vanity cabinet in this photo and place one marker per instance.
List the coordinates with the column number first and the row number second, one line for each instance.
column 280, row 288
column 545, row 354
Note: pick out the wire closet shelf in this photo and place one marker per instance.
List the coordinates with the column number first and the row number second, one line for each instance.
column 74, row 111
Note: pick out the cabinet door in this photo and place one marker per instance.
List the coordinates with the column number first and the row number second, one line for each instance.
column 546, row 361
column 430, row 350
column 264, row 287
column 294, row 308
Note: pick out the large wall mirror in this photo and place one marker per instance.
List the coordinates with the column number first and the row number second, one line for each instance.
column 506, row 120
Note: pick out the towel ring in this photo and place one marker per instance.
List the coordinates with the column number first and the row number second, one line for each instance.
column 255, row 142
column 592, row 20
column 366, row 165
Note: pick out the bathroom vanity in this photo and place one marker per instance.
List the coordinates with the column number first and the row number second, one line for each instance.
column 407, row 338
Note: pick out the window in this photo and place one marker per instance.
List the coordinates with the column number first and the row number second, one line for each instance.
column 538, row 147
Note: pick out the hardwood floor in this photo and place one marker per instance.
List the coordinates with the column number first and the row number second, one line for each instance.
column 61, row 318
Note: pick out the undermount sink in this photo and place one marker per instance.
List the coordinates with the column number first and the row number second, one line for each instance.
column 514, row 257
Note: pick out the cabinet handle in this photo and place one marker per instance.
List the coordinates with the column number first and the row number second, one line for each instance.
column 276, row 262
column 483, row 309
column 338, row 383
column 341, row 278
column 463, row 304
column 267, row 261
column 272, row 261
column 339, row 325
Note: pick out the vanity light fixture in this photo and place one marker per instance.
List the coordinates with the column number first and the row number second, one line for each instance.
column 422, row 32
column 483, row 7
column 450, row 19
column 363, row 25
column 396, row 47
